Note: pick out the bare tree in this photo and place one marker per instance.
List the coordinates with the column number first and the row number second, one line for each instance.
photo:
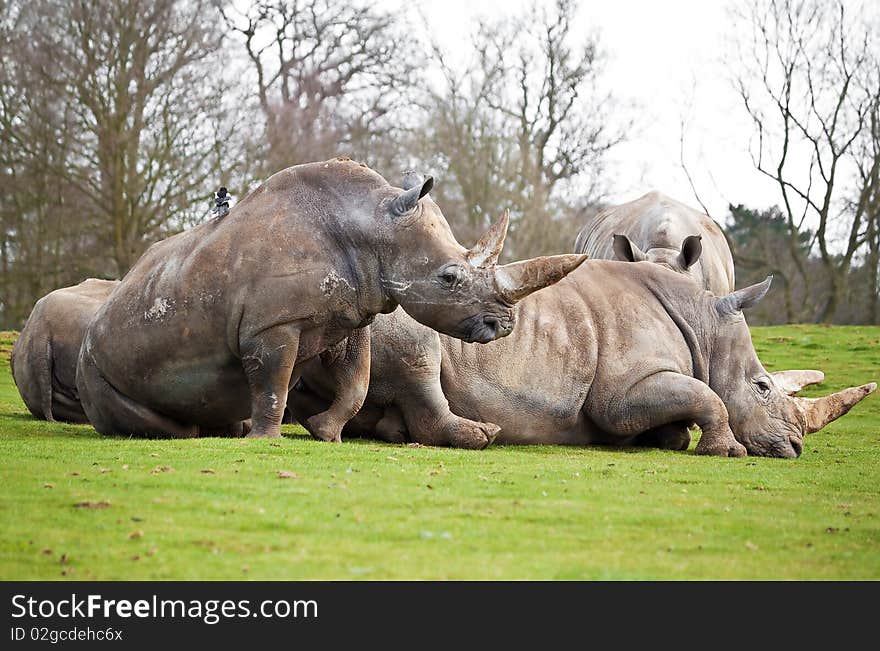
column 40, row 229
column 525, row 125
column 798, row 76
column 330, row 76
column 141, row 102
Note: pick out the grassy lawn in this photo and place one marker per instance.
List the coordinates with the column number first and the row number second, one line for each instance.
column 75, row 505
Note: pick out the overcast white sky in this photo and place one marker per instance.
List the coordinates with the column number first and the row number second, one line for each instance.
column 664, row 56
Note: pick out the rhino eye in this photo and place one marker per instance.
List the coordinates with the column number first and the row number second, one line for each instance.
column 763, row 387
column 450, row 276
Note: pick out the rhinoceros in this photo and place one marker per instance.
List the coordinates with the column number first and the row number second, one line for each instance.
column 210, row 326
column 44, row 355
column 660, row 229
column 656, row 228
column 616, row 353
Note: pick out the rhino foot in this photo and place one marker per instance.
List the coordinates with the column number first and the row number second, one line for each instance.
column 470, row 434
column 324, row 427
column 720, row 447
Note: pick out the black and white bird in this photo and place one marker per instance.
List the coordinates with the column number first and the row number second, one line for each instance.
column 221, row 202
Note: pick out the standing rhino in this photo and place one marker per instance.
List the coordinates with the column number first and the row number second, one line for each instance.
column 656, row 228
column 211, row 326
column 587, row 366
column 44, row 355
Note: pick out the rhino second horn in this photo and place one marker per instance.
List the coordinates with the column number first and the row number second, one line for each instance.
column 793, row 381
column 517, row 280
column 818, row 412
column 485, row 252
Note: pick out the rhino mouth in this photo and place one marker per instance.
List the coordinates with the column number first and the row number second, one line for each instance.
column 483, row 328
column 784, row 448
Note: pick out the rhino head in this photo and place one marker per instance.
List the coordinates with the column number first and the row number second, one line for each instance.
column 459, row 292
column 763, row 415
column 680, row 260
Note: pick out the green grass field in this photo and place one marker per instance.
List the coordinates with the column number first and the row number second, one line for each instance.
column 75, row 505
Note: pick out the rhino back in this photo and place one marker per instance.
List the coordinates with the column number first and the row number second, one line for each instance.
column 56, row 326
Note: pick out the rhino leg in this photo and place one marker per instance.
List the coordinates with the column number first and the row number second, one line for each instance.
column 669, row 398
column 392, row 427
column 426, row 411
column 268, row 360
column 111, row 412
column 674, row 436
column 67, row 409
column 349, row 370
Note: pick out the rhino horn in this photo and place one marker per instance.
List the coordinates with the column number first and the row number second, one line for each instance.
column 485, row 252
column 793, row 381
column 517, row 280
column 743, row 298
column 818, row 412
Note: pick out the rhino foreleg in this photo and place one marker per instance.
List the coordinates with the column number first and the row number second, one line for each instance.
column 424, row 406
column 350, row 374
column 671, row 399
column 268, row 360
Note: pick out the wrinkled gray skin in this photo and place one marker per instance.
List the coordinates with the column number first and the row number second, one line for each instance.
column 211, row 326
column 662, row 230
column 585, row 367
column 44, row 355
column 656, row 228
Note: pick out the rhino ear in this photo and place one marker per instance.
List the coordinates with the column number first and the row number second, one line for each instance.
column 626, row 250
column 743, row 298
column 409, row 198
column 691, row 250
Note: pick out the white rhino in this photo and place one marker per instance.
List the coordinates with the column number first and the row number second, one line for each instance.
column 656, row 228
column 211, row 326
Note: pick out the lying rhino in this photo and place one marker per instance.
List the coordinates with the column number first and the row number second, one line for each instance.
column 656, row 228
column 662, row 230
column 211, row 326
column 44, row 355
column 586, row 367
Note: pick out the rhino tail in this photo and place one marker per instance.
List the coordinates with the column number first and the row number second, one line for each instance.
column 44, row 381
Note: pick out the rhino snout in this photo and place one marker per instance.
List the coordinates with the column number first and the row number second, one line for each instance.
column 498, row 326
column 483, row 328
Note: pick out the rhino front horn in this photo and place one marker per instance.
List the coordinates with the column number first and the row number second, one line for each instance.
column 517, row 280
column 485, row 252
column 818, row 412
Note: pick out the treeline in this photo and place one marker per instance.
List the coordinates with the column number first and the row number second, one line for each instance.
column 119, row 118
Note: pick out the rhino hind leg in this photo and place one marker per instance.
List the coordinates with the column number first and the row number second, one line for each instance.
column 349, row 370
column 674, row 436
column 67, row 409
column 112, row 413
column 392, row 427
column 672, row 398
